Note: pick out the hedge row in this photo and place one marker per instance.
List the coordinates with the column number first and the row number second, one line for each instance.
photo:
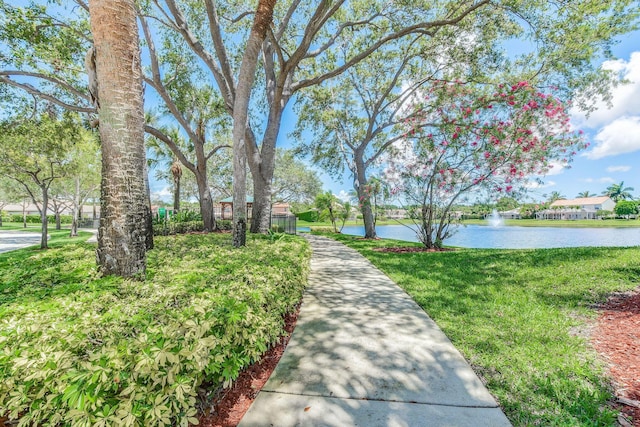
column 77, row 349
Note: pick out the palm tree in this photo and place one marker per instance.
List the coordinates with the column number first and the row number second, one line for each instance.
column 585, row 194
column 618, row 192
column 125, row 218
column 556, row 195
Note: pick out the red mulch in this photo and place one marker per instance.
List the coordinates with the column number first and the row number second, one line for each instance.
column 617, row 338
column 231, row 404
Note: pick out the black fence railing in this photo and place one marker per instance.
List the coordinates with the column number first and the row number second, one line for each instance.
column 283, row 223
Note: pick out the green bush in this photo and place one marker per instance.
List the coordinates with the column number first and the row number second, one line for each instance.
column 166, row 228
column 224, row 224
column 77, row 349
column 35, row 219
column 309, row 216
column 186, row 216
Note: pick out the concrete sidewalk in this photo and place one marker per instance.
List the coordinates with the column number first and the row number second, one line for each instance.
column 365, row 354
column 11, row 240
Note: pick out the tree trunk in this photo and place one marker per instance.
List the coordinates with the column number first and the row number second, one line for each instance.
column 205, row 200
column 262, row 21
column 58, row 220
column 124, row 235
column 43, row 218
column 261, row 209
column 75, row 214
column 364, row 200
column 262, row 167
column 176, row 195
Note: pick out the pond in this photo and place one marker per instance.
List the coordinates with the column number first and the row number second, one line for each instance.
column 513, row 237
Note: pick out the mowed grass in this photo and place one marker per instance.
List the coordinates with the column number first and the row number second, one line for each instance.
column 521, row 318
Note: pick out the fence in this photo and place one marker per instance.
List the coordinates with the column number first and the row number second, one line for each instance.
column 283, row 223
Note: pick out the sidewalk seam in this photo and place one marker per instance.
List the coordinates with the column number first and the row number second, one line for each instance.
column 384, row 400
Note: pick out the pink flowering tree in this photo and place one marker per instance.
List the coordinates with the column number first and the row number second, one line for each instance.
column 465, row 138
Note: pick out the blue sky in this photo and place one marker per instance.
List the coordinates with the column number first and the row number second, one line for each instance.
column 614, row 135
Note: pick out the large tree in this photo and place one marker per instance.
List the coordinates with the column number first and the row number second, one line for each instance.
column 34, row 151
column 125, row 212
column 354, row 120
column 313, row 42
column 293, row 181
column 465, row 138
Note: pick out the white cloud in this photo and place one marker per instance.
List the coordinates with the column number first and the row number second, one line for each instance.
column 556, row 168
column 603, row 180
column 618, row 168
column 344, row 196
column 164, row 194
column 625, row 98
column 535, row 185
column 619, row 137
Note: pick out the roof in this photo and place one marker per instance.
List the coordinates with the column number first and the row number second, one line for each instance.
column 581, row 201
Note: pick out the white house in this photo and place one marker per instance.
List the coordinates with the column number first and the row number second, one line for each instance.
column 581, row 208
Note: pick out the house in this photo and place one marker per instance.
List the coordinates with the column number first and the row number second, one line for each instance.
column 277, row 209
column 581, row 208
column 226, row 210
column 511, row 214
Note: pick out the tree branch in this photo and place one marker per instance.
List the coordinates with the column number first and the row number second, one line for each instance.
column 421, row 28
column 172, row 146
column 218, row 44
column 35, row 92
column 226, row 88
column 215, row 150
column 51, row 79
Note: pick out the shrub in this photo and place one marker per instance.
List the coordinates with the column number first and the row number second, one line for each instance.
column 224, row 224
column 77, row 349
column 186, row 216
column 163, row 228
column 309, row 216
column 322, row 230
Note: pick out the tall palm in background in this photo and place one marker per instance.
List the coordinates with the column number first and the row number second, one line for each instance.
column 618, row 192
column 585, row 194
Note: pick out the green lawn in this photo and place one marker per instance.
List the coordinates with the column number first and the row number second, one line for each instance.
column 79, row 349
column 520, row 317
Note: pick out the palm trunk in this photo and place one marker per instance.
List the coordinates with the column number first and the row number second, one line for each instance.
column 124, row 234
column 176, row 194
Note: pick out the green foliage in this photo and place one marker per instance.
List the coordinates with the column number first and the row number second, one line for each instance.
column 517, row 316
column 309, row 216
column 186, row 216
column 35, row 219
column 166, row 228
column 224, row 224
column 78, row 349
column 626, row 208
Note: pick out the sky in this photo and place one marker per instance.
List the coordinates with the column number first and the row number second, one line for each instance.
column 613, row 133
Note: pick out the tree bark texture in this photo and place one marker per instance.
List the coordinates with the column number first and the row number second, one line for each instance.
column 364, row 199
column 261, row 23
column 43, row 217
column 123, row 235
